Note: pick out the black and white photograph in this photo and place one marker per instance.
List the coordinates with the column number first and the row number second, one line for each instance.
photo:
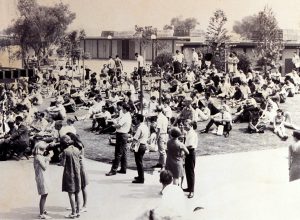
column 149, row 110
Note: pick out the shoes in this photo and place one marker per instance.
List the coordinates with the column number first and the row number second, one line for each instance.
column 186, row 190
column 71, row 216
column 226, row 134
column 203, row 131
column 121, row 171
column 44, row 216
column 157, row 166
column 284, row 138
column 111, row 173
column 138, row 181
column 191, row 195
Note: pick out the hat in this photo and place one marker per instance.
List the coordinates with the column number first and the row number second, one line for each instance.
column 175, row 132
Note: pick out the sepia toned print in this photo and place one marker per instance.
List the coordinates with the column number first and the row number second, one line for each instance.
column 149, row 109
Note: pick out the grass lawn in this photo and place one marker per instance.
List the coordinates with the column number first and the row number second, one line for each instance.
column 98, row 148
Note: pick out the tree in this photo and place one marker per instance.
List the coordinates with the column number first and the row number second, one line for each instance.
column 268, row 38
column 182, row 27
column 217, row 37
column 144, row 36
column 217, row 34
column 247, row 27
column 40, row 27
column 69, row 45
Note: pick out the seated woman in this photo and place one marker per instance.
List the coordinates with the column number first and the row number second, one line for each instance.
column 57, row 112
column 69, row 104
column 278, row 124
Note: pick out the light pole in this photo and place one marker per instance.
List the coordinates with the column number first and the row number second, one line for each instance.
column 153, row 38
column 109, row 37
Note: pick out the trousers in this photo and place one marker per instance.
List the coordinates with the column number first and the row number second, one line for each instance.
column 120, row 152
column 190, row 162
column 139, row 161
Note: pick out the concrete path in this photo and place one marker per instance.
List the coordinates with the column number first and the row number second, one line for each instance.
column 251, row 185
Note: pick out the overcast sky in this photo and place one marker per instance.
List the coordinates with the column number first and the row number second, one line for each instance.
column 97, row 15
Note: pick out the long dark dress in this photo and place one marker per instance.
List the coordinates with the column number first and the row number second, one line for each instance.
column 294, row 151
column 71, row 181
column 174, row 161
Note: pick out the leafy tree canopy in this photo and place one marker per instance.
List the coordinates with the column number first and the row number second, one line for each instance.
column 217, row 34
column 182, row 26
column 40, row 27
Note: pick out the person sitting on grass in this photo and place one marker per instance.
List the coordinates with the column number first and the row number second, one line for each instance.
column 101, row 118
column 221, row 118
column 57, row 112
column 278, row 124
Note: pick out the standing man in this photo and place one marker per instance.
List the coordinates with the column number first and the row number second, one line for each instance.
column 119, row 67
column 122, row 125
column 140, row 65
column 178, row 59
column 296, row 60
column 162, row 137
column 119, row 64
column 195, row 58
column 191, row 142
column 111, row 67
column 140, row 62
column 141, row 137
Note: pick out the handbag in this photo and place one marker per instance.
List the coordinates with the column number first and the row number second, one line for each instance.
column 220, row 130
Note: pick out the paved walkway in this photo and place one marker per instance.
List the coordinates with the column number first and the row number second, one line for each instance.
column 251, row 185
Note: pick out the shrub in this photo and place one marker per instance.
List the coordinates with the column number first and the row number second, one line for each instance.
column 162, row 59
column 244, row 62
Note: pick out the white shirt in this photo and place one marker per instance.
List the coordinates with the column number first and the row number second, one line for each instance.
column 191, row 139
column 190, row 76
column 162, row 123
column 195, row 57
column 168, row 112
column 179, row 57
column 140, row 60
column 105, row 115
column 96, row 108
column 199, row 115
column 111, row 64
column 125, row 122
column 66, row 129
column 142, row 134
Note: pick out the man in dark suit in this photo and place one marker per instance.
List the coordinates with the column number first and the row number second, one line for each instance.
column 18, row 142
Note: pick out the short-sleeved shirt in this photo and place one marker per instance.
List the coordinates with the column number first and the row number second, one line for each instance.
column 162, row 123
column 140, row 60
column 142, row 134
column 125, row 122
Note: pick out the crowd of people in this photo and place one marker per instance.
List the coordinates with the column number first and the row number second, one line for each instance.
column 152, row 108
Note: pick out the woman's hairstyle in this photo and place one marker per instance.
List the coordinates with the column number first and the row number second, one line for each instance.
column 165, row 177
column 175, row 132
column 296, row 134
column 194, row 125
column 39, row 148
column 75, row 138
